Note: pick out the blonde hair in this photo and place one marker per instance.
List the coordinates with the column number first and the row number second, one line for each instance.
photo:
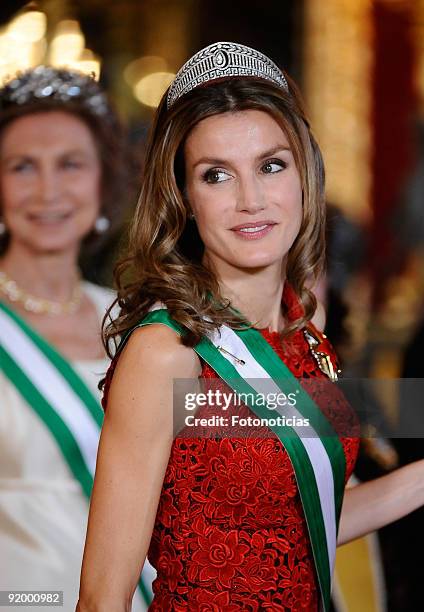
column 164, row 257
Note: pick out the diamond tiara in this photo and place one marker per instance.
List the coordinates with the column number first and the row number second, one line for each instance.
column 45, row 83
column 221, row 60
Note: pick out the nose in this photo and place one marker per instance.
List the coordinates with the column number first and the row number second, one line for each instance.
column 48, row 184
column 250, row 196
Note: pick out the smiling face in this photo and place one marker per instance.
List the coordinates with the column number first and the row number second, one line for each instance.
column 50, row 176
column 244, row 189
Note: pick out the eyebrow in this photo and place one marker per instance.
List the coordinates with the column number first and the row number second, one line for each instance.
column 222, row 162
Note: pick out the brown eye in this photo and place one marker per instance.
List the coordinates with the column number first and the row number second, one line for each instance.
column 22, row 166
column 272, row 166
column 71, row 164
column 215, row 176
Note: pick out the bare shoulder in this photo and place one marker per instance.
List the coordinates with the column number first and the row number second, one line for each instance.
column 158, row 346
column 152, row 358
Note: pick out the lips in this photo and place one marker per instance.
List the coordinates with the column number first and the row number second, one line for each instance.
column 255, row 230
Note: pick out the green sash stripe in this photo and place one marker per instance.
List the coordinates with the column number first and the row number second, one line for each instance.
column 52, row 420
column 64, row 438
column 264, row 354
column 302, row 466
column 72, row 378
column 145, row 593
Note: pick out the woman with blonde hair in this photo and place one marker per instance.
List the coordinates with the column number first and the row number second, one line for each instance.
column 240, row 511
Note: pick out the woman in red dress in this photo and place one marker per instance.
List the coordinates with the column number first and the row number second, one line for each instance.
column 227, row 236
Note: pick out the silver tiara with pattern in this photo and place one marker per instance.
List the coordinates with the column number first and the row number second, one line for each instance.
column 45, row 83
column 221, row 60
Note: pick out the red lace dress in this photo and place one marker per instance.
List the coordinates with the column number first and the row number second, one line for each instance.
column 230, row 533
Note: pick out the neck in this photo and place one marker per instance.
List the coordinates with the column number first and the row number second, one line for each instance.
column 51, row 276
column 257, row 294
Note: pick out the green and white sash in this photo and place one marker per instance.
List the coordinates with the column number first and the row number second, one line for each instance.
column 58, row 395
column 249, row 365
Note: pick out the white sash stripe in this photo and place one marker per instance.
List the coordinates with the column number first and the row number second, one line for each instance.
column 226, row 338
column 53, row 386
column 44, row 375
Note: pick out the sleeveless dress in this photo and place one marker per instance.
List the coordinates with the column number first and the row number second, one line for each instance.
column 230, row 533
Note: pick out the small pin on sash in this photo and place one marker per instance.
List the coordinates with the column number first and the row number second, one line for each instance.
column 223, row 350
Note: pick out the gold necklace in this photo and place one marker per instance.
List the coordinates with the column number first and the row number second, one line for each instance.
column 14, row 293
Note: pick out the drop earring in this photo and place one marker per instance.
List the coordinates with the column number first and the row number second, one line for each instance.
column 3, row 228
column 101, row 225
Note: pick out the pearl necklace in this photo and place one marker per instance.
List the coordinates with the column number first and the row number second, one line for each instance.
column 14, row 293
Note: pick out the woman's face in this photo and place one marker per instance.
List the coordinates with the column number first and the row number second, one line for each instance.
column 244, row 189
column 50, row 176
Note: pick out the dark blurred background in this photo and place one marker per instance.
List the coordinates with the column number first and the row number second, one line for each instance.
column 360, row 65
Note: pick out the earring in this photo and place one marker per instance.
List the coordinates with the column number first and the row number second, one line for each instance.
column 3, row 228
column 101, row 225
column 191, row 216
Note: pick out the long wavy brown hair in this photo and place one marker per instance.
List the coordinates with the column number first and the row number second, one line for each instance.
column 163, row 261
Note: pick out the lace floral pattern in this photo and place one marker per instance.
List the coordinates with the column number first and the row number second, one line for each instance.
column 230, row 533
